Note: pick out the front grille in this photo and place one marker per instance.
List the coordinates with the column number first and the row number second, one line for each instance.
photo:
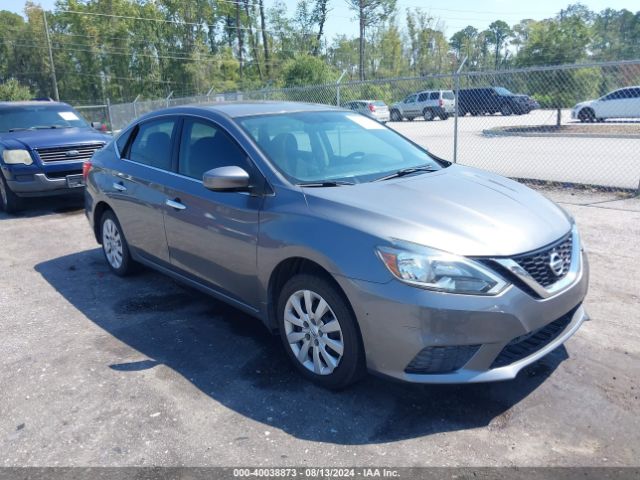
column 433, row 360
column 68, row 153
column 537, row 264
column 63, row 173
column 525, row 345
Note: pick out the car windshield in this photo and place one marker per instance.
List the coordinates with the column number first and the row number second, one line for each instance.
column 317, row 147
column 33, row 117
column 502, row 91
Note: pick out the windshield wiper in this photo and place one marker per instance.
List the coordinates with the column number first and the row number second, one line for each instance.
column 37, row 127
column 326, row 183
column 406, row 171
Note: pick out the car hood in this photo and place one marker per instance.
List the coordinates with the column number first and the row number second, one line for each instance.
column 458, row 209
column 52, row 137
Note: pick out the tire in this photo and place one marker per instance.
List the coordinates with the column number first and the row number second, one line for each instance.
column 444, row 116
column 315, row 352
column 506, row 110
column 428, row 115
column 476, row 114
column 586, row 115
column 114, row 246
column 395, row 116
column 9, row 201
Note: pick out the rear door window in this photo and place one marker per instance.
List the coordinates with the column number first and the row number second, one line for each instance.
column 434, row 96
column 423, row 97
column 152, row 143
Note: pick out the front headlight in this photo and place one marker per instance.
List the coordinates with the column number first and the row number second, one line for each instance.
column 17, row 157
column 444, row 272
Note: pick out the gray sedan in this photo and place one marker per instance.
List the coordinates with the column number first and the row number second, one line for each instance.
column 359, row 248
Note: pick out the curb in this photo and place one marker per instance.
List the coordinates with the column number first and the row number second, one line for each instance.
column 498, row 133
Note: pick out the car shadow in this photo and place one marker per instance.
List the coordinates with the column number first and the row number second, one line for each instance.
column 41, row 206
column 232, row 358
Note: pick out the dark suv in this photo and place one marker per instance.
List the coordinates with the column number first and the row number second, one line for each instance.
column 479, row 101
column 42, row 147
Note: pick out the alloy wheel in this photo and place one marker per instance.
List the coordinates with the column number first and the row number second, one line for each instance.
column 313, row 332
column 112, row 243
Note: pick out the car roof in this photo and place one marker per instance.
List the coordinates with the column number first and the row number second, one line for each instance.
column 29, row 103
column 244, row 109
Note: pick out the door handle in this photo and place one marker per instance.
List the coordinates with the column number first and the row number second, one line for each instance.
column 175, row 204
column 119, row 187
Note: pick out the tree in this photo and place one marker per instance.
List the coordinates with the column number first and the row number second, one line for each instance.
column 11, row 90
column 307, row 70
column 369, row 13
column 499, row 32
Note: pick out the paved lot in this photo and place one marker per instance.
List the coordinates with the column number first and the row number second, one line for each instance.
column 98, row 370
column 598, row 161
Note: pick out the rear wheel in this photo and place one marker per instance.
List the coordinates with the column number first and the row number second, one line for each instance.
column 114, row 245
column 9, row 201
column 395, row 116
column 586, row 115
column 319, row 332
column 428, row 114
column 444, row 116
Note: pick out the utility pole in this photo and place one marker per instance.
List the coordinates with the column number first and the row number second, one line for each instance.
column 53, row 68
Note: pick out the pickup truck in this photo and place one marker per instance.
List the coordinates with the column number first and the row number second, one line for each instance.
column 43, row 145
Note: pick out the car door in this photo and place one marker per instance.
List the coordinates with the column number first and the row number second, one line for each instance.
column 137, row 192
column 409, row 106
column 614, row 105
column 422, row 103
column 635, row 102
column 212, row 235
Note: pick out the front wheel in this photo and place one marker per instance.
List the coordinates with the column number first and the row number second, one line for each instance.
column 428, row 115
column 586, row 115
column 9, row 201
column 395, row 116
column 319, row 332
column 114, row 245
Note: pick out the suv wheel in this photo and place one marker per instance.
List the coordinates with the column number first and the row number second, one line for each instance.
column 428, row 114
column 319, row 332
column 9, row 201
column 395, row 116
column 114, row 245
column 586, row 115
column 506, row 110
column 444, row 116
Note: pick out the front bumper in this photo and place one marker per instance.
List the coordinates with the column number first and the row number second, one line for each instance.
column 39, row 185
column 398, row 322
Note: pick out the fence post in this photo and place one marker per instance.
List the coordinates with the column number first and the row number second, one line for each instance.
column 344, row 72
column 135, row 108
column 209, row 94
column 455, row 111
column 109, row 115
column 169, row 97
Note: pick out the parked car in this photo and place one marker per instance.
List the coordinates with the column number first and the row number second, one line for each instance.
column 42, row 147
column 480, row 101
column 360, row 248
column 428, row 104
column 530, row 103
column 376, row 109
column 621, row 103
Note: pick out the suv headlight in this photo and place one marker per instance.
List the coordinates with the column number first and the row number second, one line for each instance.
column 441, row 271
column 17, row 157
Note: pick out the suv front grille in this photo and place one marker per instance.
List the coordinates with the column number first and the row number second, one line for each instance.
column 537, row 264
column 526, row 345
column 68, row 153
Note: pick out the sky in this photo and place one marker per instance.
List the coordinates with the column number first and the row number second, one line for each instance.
column 454, row 14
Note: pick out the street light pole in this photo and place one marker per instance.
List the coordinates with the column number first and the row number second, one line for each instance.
column 53, row 68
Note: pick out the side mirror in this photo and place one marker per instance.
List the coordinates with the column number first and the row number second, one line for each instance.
column 226, row 179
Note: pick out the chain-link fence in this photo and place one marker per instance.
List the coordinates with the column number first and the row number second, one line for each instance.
column 576, row 124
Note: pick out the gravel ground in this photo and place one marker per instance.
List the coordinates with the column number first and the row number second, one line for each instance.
column 103, row 371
